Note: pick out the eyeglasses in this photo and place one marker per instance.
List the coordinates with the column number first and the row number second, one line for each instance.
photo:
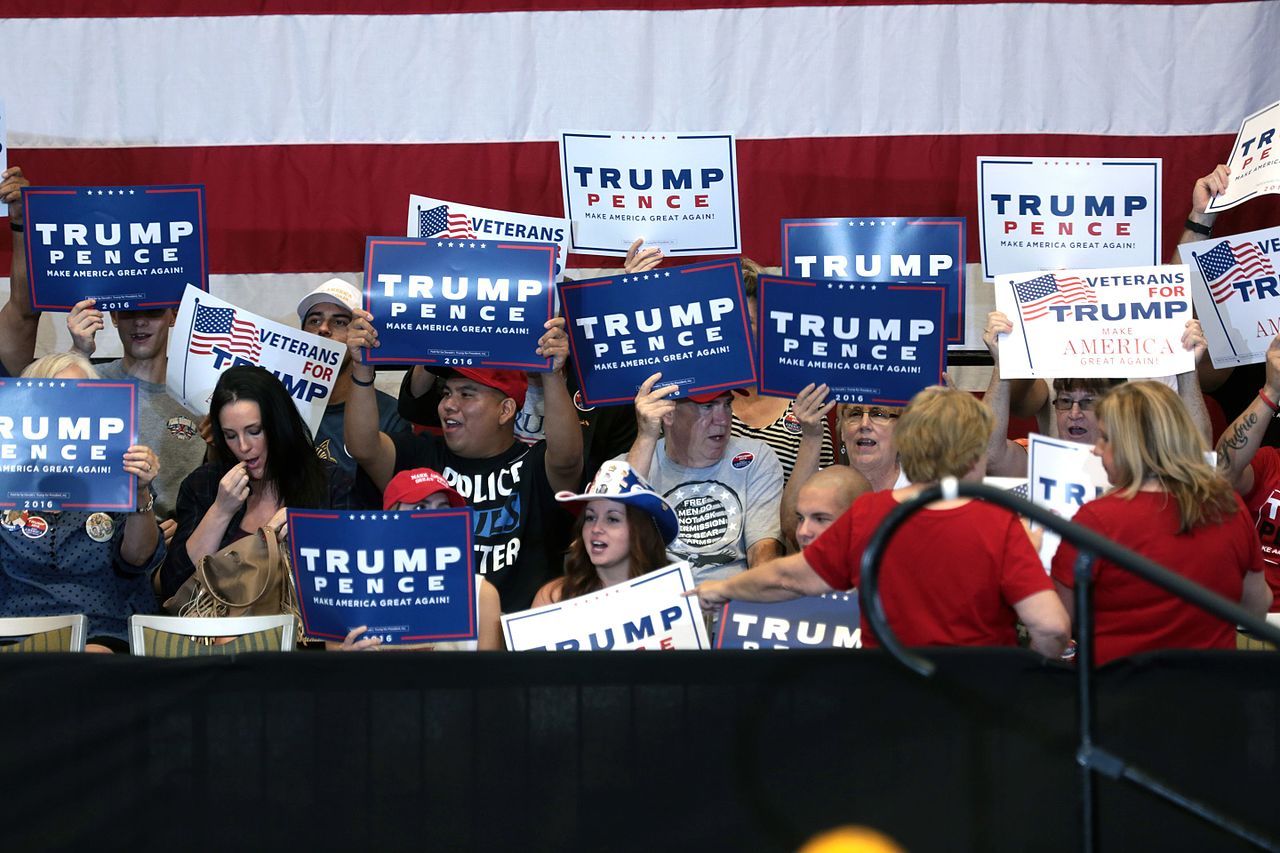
column 1064, row 404
column 878, row 416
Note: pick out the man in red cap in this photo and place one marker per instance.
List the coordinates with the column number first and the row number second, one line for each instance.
column 726, row 490
column 521, row 532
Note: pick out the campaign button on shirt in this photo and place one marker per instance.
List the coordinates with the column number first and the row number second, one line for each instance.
column 99, row 526
column 743, row 459
column 34, row 527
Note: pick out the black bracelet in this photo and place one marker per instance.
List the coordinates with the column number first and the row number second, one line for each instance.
column 1206, row 230
column 15, row 226
column 368, row 384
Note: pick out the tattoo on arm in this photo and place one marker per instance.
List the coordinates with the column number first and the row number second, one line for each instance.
column 1238, row 438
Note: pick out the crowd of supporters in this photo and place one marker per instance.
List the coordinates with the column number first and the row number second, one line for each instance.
column 766, row 498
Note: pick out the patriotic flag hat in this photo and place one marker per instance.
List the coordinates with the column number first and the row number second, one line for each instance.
column 618, row 481
column 334, row 290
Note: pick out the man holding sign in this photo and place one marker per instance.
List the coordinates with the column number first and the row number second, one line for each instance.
column 520, row 530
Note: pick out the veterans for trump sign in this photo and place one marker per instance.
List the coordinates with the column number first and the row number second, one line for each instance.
column 1108, row 323
column 62, row 444
column 459, row 303
column 211, row 335
column 679, row 191
column 899, row 250
column 813, row 622
column 690, row 323
column 648, row 612
column 433, row 217
column 1236, row 291
column 1254, row 161
column 1067, row 213
column 408, row 576
column 127, row 247
column 871, row 343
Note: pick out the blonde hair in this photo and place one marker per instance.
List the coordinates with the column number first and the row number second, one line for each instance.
column 942, row 433
column 54, row 363
column 1152, row 437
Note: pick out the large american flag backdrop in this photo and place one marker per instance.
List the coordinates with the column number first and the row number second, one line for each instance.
column 311, row 121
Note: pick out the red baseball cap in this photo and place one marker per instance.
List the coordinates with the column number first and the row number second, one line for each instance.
column 417, row 485
column 510, row 383
column 714, row 395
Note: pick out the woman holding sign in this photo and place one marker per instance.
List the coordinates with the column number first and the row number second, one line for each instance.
column 95, row 563
column 1172, row 507
column 621, row 534
column 263, row 461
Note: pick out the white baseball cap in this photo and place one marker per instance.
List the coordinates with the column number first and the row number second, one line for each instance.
column 334, row 290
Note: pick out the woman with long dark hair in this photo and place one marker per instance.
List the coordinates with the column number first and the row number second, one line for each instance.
column 621, row 534
column 263, row 460
column 1171, row 506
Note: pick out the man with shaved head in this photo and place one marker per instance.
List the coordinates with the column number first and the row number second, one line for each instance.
column 824, row 497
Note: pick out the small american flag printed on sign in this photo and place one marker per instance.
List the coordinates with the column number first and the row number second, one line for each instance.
column 439, row 222
column 219, row 327
column 1225, row 264
column 1036, row 296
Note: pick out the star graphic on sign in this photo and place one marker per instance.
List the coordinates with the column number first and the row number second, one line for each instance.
column 395, row 516
column 384, row 516
column 450, row 244
column 130, row 192
column 472, row 246
column 439, row 243
column 482, row 245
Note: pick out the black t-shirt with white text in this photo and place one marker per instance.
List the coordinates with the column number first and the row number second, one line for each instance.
column 521, row 532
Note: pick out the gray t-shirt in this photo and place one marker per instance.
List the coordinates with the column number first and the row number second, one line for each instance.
column 169, row 429
column 723, row 509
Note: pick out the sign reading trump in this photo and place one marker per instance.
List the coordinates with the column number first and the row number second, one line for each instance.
column 1236, row 291
column 459, row 303
column 127, row 247
column 62, row 444
column 871, row 343
column 892, row 250
column 1061, row 213
column 648, row 612
column 211, row 335
column 689, row 323
column 679, row 191
column 408, row 576
column 1103, row 323
column 1254, row 162
column 433, row 217
column 813, row 622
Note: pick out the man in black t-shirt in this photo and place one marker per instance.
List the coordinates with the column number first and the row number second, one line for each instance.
column 520, row 530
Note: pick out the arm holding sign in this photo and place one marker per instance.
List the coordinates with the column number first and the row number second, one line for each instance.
column 641, row 260
column 18, row 322
column 1005, row 458
column 560, row 424
column 141, row 533
column 777, row 580
column 1189, row 382
column 1240, row 441
column 811, row 408
column 1204, row 191
column 372, row 449
column 651, row 407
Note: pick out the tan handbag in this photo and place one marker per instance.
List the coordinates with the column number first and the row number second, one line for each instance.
column 249, row 577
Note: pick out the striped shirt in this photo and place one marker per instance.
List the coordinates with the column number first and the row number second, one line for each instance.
column 783, row 435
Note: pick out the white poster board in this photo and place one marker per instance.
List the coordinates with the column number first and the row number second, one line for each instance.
column 211, row 335
column 1254, row 161
column 1101, row 323
column 1062, row 476
column 648, row 612
column 1237, row 293
column 434, row 217
column 1067, row 213
column 679, row 191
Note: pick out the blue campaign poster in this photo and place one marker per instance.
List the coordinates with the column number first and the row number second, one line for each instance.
column 62, row 444
column 408, row 576
column 689, row 323
column 815, row 622
column 898, row 250
column 131, row 248
column 871, row 343
column 459, row 303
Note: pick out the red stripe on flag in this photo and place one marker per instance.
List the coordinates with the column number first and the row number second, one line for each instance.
column 240, row 8
column 269, row 212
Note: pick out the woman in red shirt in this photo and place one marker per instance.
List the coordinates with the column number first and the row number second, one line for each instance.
column 1169, row 505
